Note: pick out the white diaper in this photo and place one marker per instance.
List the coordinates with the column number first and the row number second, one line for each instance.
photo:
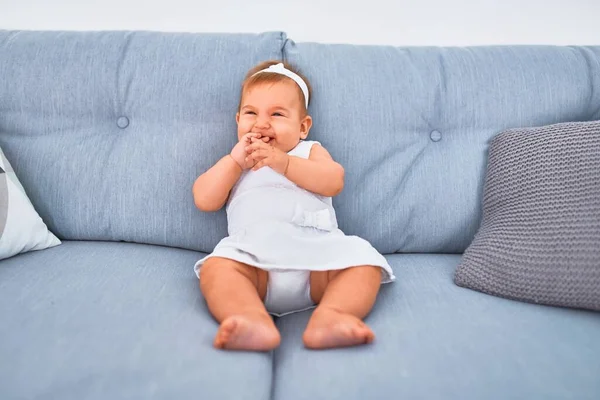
column 288, row 292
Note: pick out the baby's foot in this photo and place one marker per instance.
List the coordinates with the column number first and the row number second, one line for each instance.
column 251, row 331
column 329, row 328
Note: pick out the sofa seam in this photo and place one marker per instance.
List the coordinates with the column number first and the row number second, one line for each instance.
column 283, row 41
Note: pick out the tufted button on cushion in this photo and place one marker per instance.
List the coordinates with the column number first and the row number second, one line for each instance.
column 123, row 122
column 435, row 136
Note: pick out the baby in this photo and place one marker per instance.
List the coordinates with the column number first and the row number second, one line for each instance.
column 284, row 252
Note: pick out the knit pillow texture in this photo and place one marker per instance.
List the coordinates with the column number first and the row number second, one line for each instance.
column 539, row 237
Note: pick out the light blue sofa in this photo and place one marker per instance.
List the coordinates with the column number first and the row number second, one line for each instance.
column 107, row 131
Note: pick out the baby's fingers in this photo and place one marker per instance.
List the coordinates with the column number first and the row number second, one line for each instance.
column 255, row 145
column 255, row 156
column 260, row 138
column 259, row 164
column 259, row 153
column 251, row 135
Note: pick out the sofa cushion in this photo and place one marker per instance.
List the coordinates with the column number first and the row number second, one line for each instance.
column 21, row 228
column 435, row 340
column 411, row 126
column 539, row 239
column 98, row 320
column 109, row 130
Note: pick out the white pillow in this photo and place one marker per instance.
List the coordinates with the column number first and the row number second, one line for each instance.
column 21, row 228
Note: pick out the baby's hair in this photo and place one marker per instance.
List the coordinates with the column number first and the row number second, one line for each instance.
column 252, row 80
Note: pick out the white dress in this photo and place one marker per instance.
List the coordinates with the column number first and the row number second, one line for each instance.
column 275, row 225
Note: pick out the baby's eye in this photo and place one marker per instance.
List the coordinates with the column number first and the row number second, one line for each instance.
column 277, row 114
column 250, row 112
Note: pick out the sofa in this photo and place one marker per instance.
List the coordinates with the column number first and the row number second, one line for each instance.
column 108, row 130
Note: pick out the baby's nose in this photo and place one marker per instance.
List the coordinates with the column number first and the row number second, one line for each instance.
column 261, row 122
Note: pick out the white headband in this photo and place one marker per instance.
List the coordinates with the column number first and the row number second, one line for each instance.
column 280, row 69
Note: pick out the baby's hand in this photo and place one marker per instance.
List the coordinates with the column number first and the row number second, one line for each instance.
column 261, row 154
column 238, row 153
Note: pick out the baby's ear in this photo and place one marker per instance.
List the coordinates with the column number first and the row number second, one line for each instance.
column 305, row 126
column 237, row 117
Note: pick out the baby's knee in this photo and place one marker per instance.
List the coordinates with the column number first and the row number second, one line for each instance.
column 216, row 268
column 208, row 269
column 369, row 270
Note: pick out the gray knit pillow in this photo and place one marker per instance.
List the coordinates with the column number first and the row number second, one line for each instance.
column 539, row 239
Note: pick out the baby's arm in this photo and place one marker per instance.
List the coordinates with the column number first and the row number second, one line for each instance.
column 212, row 188
column 319, row 173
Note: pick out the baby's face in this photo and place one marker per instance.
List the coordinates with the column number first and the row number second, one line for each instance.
column 274, row 110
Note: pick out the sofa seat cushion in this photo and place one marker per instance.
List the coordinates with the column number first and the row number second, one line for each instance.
column 435, row 340
column 99, row 320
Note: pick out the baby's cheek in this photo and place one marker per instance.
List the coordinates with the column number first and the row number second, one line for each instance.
column 241, row 131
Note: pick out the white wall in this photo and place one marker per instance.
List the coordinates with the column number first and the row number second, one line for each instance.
column 402, row 22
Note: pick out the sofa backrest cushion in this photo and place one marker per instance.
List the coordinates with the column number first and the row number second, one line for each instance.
column 412, row 126
column 108, row 130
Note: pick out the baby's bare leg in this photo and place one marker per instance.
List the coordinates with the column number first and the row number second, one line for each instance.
column 344, row 297
column 233, row 292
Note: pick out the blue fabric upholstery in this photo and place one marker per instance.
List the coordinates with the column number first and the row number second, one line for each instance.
column 411, row 126
column 435, row 340
column 107, row 131
column 94, row 320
